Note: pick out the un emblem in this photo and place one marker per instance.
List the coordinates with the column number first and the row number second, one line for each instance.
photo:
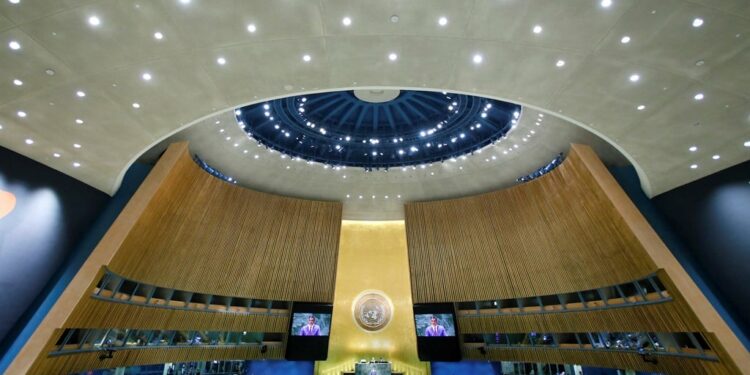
column 372, row 310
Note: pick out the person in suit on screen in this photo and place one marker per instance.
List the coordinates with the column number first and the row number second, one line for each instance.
column 434, row 329
column 311, row 329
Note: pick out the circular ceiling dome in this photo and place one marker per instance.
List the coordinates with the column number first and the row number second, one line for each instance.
column 378, row 128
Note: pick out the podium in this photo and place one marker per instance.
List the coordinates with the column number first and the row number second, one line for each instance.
column 373, row 368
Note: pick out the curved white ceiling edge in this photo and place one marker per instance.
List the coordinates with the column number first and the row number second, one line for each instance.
column 642, row 176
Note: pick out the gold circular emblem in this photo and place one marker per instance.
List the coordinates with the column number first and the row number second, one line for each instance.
column 372, row 310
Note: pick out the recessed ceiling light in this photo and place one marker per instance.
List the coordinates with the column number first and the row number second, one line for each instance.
column 56, row 155
column 251, row 27
column 694, row 166
column 477, row 58
column 392, row 56
column 560, row 63
column 221, row 61
column 606, row 3
column 185, row 1
column 442, row 21
column 747, row 143
column 14, row 45
column 698, row 96
column 21, row 114
column 634, row 78
column 76, row 145
column 146, row 76
column 641, row 107
column 306, row 58
column 394, row 18
column 79, row 121
column 29, row 141
column 17, row 82
column 698, row 22
column 158, row 35
column 49, row 72
column 625, row 39
column 537, row 29
column 76, row 164
column 80, row 94
column 14, row 1
column 716, row 157
column 693, row 148
column 346, row 21
column 94, row 21
column 136, row 105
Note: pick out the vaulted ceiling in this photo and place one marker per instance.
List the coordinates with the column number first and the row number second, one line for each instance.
column 88, row 86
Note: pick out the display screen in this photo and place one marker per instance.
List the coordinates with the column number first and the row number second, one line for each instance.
column 435, row 325
column 310, row 324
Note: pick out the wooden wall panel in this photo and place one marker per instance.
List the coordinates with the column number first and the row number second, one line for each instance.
column 205, row 235
column 93, row 313
column 555, row 234
column 197, row 233
column 662, row 317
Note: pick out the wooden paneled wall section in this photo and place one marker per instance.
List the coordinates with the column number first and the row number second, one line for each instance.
column 571, row 230
column 201, row 234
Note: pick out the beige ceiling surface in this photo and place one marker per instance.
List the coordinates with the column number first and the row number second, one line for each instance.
column 673, row 59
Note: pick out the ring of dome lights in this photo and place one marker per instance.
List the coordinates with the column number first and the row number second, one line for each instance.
column 415, row 128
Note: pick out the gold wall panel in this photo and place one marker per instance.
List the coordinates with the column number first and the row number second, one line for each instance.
column 372, row 256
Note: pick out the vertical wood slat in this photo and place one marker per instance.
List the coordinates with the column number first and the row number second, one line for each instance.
column 204, row 235
column 555, row 234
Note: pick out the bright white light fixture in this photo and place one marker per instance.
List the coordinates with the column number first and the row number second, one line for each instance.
column 14, row 45
column 17, row 82
column 635, row 78
column 21, row 114
column 79, row 121
column 136, row 105
column 699, row 96
column 29, row 141
column 94, row 21
column 251, row 28
column 76, row 164
column 185, row 1
column 158, row 35
column 747, row 143
column 57, row 155
column 560, row 63
column 694, row 166
column 641, row 107
column 693, row 148
column 346, row 21
column 146, row 76
column 442, row 21
column 392, row 56
column 625, row 39
column 14, row 1
column 221, row 61
column 698, row 22
column 80, row 94
column 716, row 157
column 606, row 3
column 537, row 29
column 306, row 58
column 478, row 59
column 76, row 145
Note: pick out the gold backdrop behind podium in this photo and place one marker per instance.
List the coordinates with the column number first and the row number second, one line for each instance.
column 372, row 256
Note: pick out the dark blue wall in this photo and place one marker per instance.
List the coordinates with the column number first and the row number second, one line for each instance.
column 706, row 225
column 56, row 224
